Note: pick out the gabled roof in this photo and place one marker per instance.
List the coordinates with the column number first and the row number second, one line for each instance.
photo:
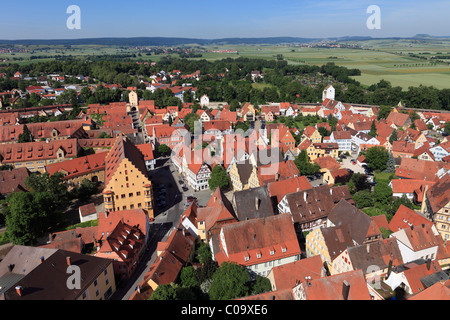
column 360, row 224
column 284, row 170
column 79, row 166
column 289, row 275
column 38, row 150
column 438, row 195
column 404, row 218
column 330, row 288
column 438, row 291
column 279, row 189
column 419, row 169
column 50, row 277
column 378, row 253
column 218, row 209
column 123, row 148
column 315, row 203
column 418, row 237
column 397, row 118
column 261, row 240
column 13, row 180
column 403, row 147
column 252, row 203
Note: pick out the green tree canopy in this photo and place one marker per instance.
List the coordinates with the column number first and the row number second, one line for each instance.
column 219, row 178
column 163, row 149
column 363, row 199
column 377, row 158
column 229, row 282
column 305, row 167
column 25, row 136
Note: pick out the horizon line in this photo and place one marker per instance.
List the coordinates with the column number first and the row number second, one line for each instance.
column 223, row 38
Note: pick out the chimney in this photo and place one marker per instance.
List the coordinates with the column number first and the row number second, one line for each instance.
column 69, row 262
column 368, row 248
column 345, row 289
column 428, row 264
column 10, row 267
column 106, row 214
column 42, row 259
column 257, row 203
column 19, row 290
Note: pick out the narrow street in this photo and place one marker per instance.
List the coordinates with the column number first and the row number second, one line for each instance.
column 166, row 218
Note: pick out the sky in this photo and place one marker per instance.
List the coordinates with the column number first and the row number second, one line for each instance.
column 214, row 19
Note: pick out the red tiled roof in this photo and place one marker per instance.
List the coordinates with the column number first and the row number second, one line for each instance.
column 289, row 275
column 397, row 118
column 414, row 274
column 438, row 291
column 39, row 150
column 404, row 218
column 438, row 195
column 79, row 166
column 330, row 288
column 14, row 180
column 267, row 237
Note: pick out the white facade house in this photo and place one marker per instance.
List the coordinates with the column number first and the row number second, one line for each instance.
column 204, row 101
column 362, row 138
column 411, row 248
column 290, row 112
column 198, row 180
column 343, row 139
column 328, row 93
column 439, row 152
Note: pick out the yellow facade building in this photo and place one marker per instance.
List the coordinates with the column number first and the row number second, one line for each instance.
column 127, row 185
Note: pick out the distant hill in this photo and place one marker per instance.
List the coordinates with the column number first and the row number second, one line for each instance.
column 168, row 41
column 157, row 41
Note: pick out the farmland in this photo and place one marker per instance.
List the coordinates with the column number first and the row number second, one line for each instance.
column 404, row 63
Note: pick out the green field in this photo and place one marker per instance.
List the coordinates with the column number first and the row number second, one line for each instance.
column 389, row 60
column 377, row 59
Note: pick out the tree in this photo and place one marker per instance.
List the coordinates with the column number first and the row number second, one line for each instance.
column 28, row 215
column 163, row 149
column 53, row 185
column 188, row 277
column 85, row 190
column 172, row 292
column 358, row 182
column 229, row 282
column 104, row 135
column 373, row 130
column 384, row 112
column 393, row 136
column 25, row 136
column 260, row 285
column 324, row 132
column 377, row 158
column 363, row 199
column 203, row 253
column 304, row 166
column 390, row 165
column 447, row 127
column 219, row 178
column 190, row 120
column 382, row 193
